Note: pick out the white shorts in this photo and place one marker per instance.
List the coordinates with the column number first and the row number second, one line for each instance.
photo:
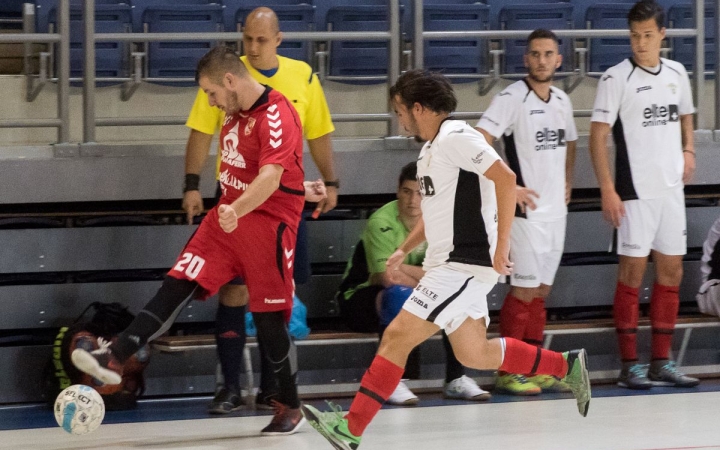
column 654, row 224
column 536, row 249
column 447, row 297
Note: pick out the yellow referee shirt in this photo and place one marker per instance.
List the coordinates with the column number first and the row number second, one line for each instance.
column 295, row 80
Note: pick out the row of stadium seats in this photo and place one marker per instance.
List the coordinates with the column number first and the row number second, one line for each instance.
column 465, row 58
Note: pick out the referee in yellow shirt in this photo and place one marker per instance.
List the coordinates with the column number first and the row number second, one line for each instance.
column 296, row 80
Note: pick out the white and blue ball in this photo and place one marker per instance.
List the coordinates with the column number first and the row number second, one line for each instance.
column 79, row 409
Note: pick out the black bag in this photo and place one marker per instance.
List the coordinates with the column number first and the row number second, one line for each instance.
column 107, row 322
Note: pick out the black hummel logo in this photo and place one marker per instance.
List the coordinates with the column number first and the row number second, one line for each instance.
column 606, row 77
column 385, row 229
column 642, row 88
column 537, row 111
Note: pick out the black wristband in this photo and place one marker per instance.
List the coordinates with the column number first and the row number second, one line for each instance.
column 192, row 182
column 335, row 184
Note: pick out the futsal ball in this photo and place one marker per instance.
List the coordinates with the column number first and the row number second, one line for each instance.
column 79, row 409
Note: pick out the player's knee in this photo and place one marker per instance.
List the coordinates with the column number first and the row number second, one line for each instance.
column 233, row 295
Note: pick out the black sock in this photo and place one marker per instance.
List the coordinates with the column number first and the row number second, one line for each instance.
column 272, row 332
column 268, row 381
column 230, row 338
column 155, row 318
column 453, row 368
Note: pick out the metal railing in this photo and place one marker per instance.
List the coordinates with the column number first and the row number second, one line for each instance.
column 392, row 36
column 62, row 38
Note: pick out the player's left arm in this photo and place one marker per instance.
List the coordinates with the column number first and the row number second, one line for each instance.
column 688, row 146
column 261, row 188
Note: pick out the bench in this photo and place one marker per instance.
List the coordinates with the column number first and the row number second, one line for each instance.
column 687, row 324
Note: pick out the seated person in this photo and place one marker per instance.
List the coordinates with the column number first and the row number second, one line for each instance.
column 708, row 297
column 369, row 297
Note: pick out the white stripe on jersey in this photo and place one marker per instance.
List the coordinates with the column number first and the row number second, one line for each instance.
column 536, row 133
column 459, row 205
column 644, row 108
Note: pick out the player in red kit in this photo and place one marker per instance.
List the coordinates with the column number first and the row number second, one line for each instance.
column 251, row 233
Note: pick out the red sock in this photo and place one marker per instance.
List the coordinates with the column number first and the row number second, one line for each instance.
column 514, row 316
column 664, row 304
column 525, row 358
column 535, row 328
column 625, row 313
column 376, row 386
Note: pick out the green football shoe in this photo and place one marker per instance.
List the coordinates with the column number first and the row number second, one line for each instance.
column 332, row 425
column 578, row 378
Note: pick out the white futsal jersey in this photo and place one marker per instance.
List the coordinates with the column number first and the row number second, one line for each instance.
column 644, row 108
column 459, row 205
column 535, row 133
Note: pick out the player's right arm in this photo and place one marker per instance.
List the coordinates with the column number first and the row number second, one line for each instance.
column 203, row 121
column 504, row 179
column 196, row 152
column 605, row 113
column 379, row 247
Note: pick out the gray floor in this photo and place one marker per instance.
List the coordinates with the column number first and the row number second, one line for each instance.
column 638, row 422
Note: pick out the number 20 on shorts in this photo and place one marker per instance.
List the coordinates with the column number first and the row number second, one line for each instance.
column 190, row 264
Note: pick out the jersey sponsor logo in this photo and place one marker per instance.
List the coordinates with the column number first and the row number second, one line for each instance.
column 537, row 111
column 419, row 302
column 249, row 126
column 655, row 115
column 228, row 179
column 385, row 229
column 273, row 301
column 430, row 294
column 230, row 153
column 548, row 139
column 478, row 159
column 274, row 123
column 517, row 276
column 427, row 188
column 642, row 88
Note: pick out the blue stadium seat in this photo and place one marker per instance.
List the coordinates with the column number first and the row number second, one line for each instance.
column 683, row 49
column 457, row 56
column 43, row 8
column 111, row 58
column 529, row 16
column 139, row 7
column 604, row 53
column 497, row 5
column 299, row 17
column 179, row 59
column 358, row 58
column 322, row 7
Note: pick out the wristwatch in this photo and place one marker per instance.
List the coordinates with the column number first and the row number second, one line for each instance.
column 335, row 184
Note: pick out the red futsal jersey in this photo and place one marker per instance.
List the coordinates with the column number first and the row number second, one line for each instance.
column 269, row 133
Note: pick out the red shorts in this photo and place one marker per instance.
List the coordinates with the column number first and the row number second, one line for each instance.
column 261, row 250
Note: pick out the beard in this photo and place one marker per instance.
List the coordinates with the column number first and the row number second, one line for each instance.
column 233, row 104
column 539, row 79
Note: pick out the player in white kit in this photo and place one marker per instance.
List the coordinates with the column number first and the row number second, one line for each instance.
column 535, row 121
column 645, row 101
column 467, row 209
